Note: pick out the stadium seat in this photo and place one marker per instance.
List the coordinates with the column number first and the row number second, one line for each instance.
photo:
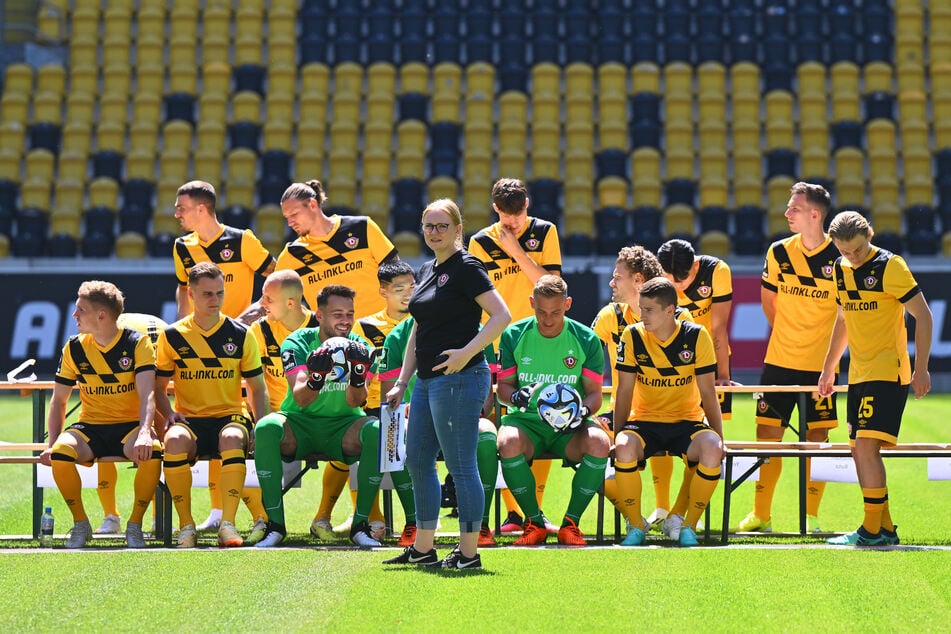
column 715, row 243
column 748, row 236
column 679, row 221
column 408, row 243
column 612, row 192
column 130, row 246
column 613, row 227
column 846, row 134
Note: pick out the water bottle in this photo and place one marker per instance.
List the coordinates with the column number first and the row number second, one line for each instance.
column 46, row 528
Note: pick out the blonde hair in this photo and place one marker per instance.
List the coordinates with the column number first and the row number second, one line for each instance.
column 550, row 286
column 450, row 208
column 105, row 295
column 849, row 224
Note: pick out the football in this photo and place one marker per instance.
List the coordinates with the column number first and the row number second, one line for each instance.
column 338, row 352
column 559, row 405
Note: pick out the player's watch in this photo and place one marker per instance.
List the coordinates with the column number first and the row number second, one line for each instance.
column 401, row 384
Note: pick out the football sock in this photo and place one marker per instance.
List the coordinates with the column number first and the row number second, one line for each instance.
column 147, row 476
column 268, row 434
column 814, row 491
column 233, row 472
column 511, row 504
column 680, row 505
column 769, row 473
column 540, row 469
column 887, row 522
column 368, row 471
column 487, row 458
column 404, row 489
column 336, row 476
column 629, row 488
column 66, row 475
column 875, row 500
column 662, row 470
column 252, row 499
column 518, row 475
column 178, row 478
column 106, row 489
column 585, row 483
column 214, row 477
column 610, row 491
column 702, row 485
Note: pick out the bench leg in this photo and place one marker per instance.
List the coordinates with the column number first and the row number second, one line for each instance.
column 600, row 534
column 388, row 512
column 163, row 514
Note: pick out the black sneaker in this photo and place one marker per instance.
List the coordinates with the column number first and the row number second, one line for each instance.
column 412, row 556
column 458, row 561
column 361, row 535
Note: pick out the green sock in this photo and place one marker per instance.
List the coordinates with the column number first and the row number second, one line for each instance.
column 521, row 482
column 267, row 460
column 487, row 456
column 368, row 473
column 588, row 479
column 404, row 489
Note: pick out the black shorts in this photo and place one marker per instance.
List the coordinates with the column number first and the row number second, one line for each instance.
column 205, row 431
column 775, row 408
column 106, row 440
column 875, row 409
column 661, row 438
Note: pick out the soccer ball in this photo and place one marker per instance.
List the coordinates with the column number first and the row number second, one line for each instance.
column 559, row 405
column 338, row 352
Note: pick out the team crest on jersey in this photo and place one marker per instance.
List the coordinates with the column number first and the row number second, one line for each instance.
column 761, row 405
column 351, row 242
column 230, row 348
column 227, row 254
column 871, row 281
column 532, row 243
column 686, row 355
column 704, row 291
column 570, row 362
column 827, row 270
column 125, row 363
column 442, row 279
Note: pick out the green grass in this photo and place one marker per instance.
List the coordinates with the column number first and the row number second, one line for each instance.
column 778, row 589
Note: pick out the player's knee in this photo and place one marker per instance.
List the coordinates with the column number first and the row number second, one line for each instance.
column 269, row 428
column 509, row 442
column 63, row 453
column 596, row 443
column 487, row 426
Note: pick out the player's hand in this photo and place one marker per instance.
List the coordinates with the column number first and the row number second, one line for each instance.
column 509, row 242
column 319, row 364
column 359, row 358
column 726, row 382
column 142, row 449
column 45, row 456
column 522, row 396
column 175, row 417
column 920, row 383
column 826, row 383
column 583, row 414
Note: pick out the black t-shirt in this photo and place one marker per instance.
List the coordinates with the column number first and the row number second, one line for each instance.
column 444, row 307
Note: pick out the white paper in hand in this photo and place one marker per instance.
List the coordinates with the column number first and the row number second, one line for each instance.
column 393, row 437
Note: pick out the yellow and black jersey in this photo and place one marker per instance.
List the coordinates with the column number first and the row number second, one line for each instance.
column 148, row 325
column 711, row 285
column 609, row 325
column 237, row 252
column 207, row 365
column 805, row 302
column 270, row 335
column 665, row 372
column 872, row 297
column 374, row 329
column 539, row 239
column 350, row 255
column 106, row 374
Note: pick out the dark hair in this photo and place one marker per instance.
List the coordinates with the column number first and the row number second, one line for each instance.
column 201, row 192
column 509, row 195
column 676, row 257
column 389, row 271
column 311, row 189
column 338, row 290
column 202, row 270
column 661, row 290
column 816, row 195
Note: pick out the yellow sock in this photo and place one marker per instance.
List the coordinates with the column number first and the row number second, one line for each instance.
column 875, row 500
column 336, row 476
column 214, row 478
column 683, row 495
column 108, row 476
column 67, row 479
column 610, row 491
column 376, row 514
column 233, row 472
column 769, row 473
column 511, row 505
column 702, row 486
column 146, row 479
column 629, row 487
column 252, row 499
column 540, row 469
column 814, row 491
column 178, row 478
column 887, row 522
column 662, row 470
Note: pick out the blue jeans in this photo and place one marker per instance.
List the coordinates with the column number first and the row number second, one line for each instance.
column 444, row 415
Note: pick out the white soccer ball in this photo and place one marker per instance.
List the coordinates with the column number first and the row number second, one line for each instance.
column 559, row 405
column 338, row 352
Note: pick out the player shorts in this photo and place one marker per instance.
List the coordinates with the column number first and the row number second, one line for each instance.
column 105, row 440
column 543, row 438
column 775, row 408
column 672, row 438
column 726, row 405
column 875, row 409
column 316, row 435
column 205, row 431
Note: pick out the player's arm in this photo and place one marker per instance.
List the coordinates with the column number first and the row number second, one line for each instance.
column 499, row 317
column 182, row 302
column 924, row 325
column 297, row 380
column 837, row 344
column 394, row 395
column 56, row 418
column 709, row 402
column 506, row 388
column 623, row 399
column 767, row 298
column 719, row 320
column 593, row 398
column 257, row 390
column 145, row 387
column 163, row 406
column 530, row 268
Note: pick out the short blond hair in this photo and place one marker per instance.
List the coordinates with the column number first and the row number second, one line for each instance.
column 104, row 295
column 849, row 224
column 550, row 286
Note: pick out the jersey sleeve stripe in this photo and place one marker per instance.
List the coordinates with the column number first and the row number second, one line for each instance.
column 626, row 368
column 295, row 370
column 390, row 375
column 907, row 296
column 723, row 298
column 251, row 373
column 706, row 369
column 768, row 286
column 591, row 375
column 505, row 373
column 145, row 368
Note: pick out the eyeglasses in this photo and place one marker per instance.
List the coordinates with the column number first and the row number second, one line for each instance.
column 440, row 227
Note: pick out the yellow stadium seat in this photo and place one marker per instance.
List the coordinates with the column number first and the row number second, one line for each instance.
column 612, row 192
column 648, row 193
column 746, row 109
column 612, row 80
column 146, row 108
column 777, row 192
column 77, row 137
column 680, row 164
column 50, row 78
column 12, row 136
column 712, row 107
column 475, row 197
column 711, row 79
column 14, row 107
column 11, row 163
column 50, row 25
column 512, row 161
column 412, row 137
column 346, row 107
column 210, row 135
column 280, row 106
column 745, row 78
column 381, row 78
column 678, row 78
column 39, row 165
column 216, row 49
column 140, row 164
column 714, row 192
column 645, row 77
column 248, row 49
column 546, row 79
column 546, row 136
column 164, row 221
column 278, row 135
column 114, row 106
column 183, row 78
column 715, row 243
column 242, row 165
column 445, row 108
column 48, row 108
column 919, row 190
column 376, row 163
column 84, row 79
column 240, row 193
column 414, row 77
column 35, row 194
column 150, row 19
column 380, row 109
column 80, row 108
column 246, row 106
column 143, row 136
column 814, row 161
column 546, row 109
column 309, row 163
column 545, row 163
column 343, row 188
column 479, row 110
column 480, row 81
column 377, row 135
column 216, row 77
column 713, row 164
column 579, row 79
column 182, row 50
column 311, row 134
column 878, row 77
column 679, row 136
column 579, row 136
column 512, row 137
column 779, row 105
column 149, row 50
column 579, row 109
column 173, row 165
column 579, row 168
column 269, row 224
column 914, row 134
column 282, row 55
column 476, row 166
column 939, row 47
column 216, row 20
column 812, row 108
column 149, row 78
column 83, row 50
column 678, row 108
column 880, row 134
column 884, row 193
column 442, row 187
column 66, row 221
column 184, row 20
column 849, row 162
column 477, row 137
column 612, row 108
column 177, row 135
column 104, row 192
column 886, row 217
column 814, row 134
column 208, row 165
column 748, row 162
column 679, row 219
column 811, row 79
column 612, row 135
column 130, row 246
column 712, row 135
column 410, row 165
column 645, row 166
column 315, row 80
column 946, row 244
column 513, row 108
column 447, row 78
column 69, row 195
column 911, row 76
column 912, row 106
column 408, row 243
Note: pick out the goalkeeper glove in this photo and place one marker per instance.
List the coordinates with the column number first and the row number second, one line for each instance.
column 521, row 397
column 359, row 359
column 319, row 363
column 583, row 413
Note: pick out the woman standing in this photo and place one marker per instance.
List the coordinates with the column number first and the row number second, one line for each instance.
column 445, row 351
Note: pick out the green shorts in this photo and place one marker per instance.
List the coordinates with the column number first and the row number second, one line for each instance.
column 317, row 435
column 543, row 437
